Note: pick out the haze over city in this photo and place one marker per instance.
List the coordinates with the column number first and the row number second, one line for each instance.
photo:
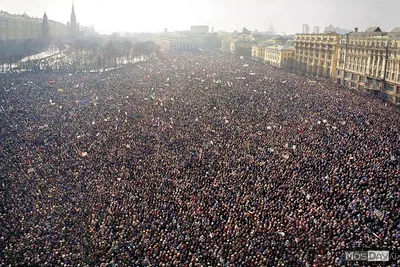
column 153, row 16
column 199, row 133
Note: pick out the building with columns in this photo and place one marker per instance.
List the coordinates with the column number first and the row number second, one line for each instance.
column 175, row 43
column 317, row 53
column 370, row 61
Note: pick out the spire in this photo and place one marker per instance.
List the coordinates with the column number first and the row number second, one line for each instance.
column 73, row 16
column 45, row 28
column 74, row 26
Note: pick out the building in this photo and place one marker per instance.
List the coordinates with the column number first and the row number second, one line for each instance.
column 271, row 30
column 316, row 30
column 258, row 52
column 306, row 29
column 24, row 27
column 279, row 56
column 392, row 75
column 19, row 27
column 199, row 29
column 22, row 35
column 175, row 43
column 226, row 45
column 370, row 61
column 242, row 47
column 331, row 28
column 280, row 40
column 317, row 53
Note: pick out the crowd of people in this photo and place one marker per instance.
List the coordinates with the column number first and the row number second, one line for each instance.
column 197, row 159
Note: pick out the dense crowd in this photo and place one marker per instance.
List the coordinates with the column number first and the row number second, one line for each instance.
column 194, row 160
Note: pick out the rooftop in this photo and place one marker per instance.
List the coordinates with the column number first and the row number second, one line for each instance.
column 373, row 29
column 319, row 34
column 281, row 48
column 397, row 29
column 6, row 15
column 244, row 41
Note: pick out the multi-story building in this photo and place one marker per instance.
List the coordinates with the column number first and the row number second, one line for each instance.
column 317, row 53
column 242, row 47
column 306, row 29
column 392, row 77
column 279, row 56
column 226, row 45
column 258, row 52
column 316, row 30
column 23, row 27
column 370, row 60
column 174, row 43
column 338, row 30
column 19, row 27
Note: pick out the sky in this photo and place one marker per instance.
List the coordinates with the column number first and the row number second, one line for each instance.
column 154, row 15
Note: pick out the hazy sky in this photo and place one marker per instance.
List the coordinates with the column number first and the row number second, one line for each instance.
column 155, row 15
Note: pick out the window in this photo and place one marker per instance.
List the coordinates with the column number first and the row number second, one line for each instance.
column 362, row 79
column 389, row 88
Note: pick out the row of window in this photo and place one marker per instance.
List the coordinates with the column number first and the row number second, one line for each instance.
column 367, row 43
column 314, row 39
column 393, row 76
column 355, row 77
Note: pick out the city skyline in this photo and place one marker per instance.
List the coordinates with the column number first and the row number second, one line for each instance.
column 287, row 15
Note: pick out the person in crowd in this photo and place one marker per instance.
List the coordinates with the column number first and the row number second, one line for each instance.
column 196, row 159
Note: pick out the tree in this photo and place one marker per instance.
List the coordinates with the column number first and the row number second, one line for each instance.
column 110, row 52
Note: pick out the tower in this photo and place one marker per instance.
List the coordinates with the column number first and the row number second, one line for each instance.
column 74, row 26
column 271, row 29
column 306, row 28
column 45, row 29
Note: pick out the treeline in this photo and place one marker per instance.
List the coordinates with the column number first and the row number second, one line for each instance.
column 94, row 53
